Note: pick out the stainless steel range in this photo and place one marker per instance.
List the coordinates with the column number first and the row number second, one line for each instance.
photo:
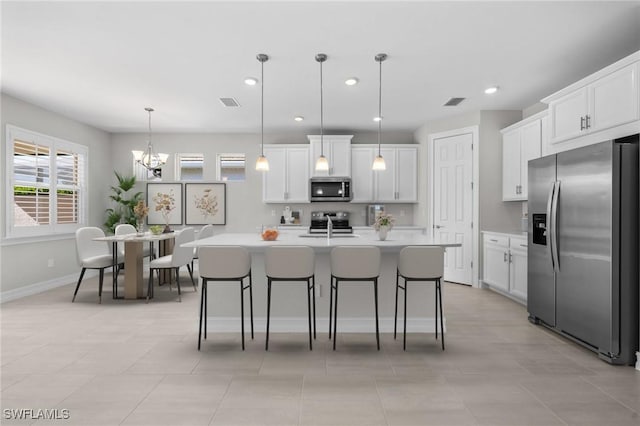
column 320, row 222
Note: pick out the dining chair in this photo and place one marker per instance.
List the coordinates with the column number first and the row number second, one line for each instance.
column 93, row 255
column 291, row 264
column 128, row 229
column 353, row 263
column 224, row 263
column 180, row 257
column 420, row 263
column 205, row 232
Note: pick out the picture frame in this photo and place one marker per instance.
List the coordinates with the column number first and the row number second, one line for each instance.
column 206, row 203
column 168, row 194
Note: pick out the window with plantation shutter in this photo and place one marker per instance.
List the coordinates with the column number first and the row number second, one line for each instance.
column 46, row 186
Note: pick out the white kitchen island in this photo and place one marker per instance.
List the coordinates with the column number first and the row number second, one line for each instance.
column 289, row 303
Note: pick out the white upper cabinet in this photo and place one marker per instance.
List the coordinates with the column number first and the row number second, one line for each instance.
column 337, row 149
column 521, row 142
column 397, row 184
column 604, row 104
column 287, row 180
column 362, row 180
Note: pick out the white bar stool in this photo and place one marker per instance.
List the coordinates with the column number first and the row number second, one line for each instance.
column 419, row 263
column 224, row 263
column 349, row 263
column 291, row 263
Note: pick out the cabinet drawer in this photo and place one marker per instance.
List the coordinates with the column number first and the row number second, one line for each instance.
column 500, row 240
column 518, row 243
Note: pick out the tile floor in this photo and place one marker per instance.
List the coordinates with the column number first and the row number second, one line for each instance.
column 128, row 363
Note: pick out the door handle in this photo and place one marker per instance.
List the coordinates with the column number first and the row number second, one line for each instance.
column 504, row 257
column 510, row 258
column 582, row 121
column 554, row 227
column 587, row 121
column 552, row 190
column 437, row 226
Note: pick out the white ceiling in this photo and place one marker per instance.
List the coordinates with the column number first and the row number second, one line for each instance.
column 102, row 63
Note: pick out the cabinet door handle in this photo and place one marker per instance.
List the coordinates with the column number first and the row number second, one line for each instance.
column 504, row 258
column 523, row 245
column 491, row 239
column 588, row 122
column 510, row 258
column 582, row 120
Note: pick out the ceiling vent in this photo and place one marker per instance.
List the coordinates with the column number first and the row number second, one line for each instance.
column 454, row 101
column 229, row 102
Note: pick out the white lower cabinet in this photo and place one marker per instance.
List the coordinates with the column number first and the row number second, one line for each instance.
column 505, row 264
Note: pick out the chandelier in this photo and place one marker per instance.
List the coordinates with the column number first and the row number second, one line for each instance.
column 148, row 158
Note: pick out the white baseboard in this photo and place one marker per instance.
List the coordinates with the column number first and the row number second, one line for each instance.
column 301, row 325
column 31, row 289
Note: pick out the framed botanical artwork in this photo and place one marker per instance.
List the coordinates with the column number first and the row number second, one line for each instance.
column 205, row 203
column 165, row 203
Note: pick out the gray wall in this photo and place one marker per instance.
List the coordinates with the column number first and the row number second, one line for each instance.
column 245, row 209
column 24, row 263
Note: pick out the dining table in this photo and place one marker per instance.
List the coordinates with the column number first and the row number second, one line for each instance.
column 133, row 254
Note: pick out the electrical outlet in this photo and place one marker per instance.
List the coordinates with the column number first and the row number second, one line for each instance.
column 51, row 263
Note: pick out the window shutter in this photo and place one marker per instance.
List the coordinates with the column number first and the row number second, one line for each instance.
column 31, row 181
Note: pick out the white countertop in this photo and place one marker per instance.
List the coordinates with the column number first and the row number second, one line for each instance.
column 254, row 242
column 518, row 234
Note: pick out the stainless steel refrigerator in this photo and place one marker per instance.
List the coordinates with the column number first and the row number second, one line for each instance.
column 583, row 246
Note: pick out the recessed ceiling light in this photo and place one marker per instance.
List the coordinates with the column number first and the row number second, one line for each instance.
column 351, row 81
column 250, row 81
column 376, row 119
column 298, row 118
column 491, row 90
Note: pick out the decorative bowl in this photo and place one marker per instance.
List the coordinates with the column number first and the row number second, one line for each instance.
column 156, row 229
column 270, row 234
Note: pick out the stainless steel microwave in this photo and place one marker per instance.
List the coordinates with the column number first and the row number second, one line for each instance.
column 330, row 189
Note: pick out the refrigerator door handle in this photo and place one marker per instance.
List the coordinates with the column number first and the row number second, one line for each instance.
column 549, row 224
column 554, row 227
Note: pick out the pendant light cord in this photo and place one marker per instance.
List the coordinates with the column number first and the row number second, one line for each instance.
column 380, row 109
column 321, row 116
column 262, row 108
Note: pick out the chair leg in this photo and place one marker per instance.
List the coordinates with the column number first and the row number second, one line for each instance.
column 375, row 296
column 190, row 269
column 178, row 284
column 242, row 311
column 206, row 298
column 78, row 285
column 201, row 312
column 441, row 321
column 330, row 304
column 404, row 338
column 266, row 345
column 395, row 316
column 309, row 290
column 313, row 289
column 335, row 318
column 100, row 285
column 251, row 302
column 435, row 285
column 150, row 285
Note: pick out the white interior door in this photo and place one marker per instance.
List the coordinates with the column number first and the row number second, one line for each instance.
column 453, row 203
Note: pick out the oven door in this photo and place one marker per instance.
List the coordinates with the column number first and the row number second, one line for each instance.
column 336, row 189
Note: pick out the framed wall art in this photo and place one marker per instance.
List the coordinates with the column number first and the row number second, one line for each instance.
column 165, row 203
column 206, row 203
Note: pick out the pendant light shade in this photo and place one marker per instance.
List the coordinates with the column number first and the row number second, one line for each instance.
column 262, row 164
column 148, row 158
column 322, row 165
column 378, row 162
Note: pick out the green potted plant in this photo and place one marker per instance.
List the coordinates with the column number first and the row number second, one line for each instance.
column 125, row 203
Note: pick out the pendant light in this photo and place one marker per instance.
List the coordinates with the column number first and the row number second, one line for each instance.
column 378, row 162
column 262, row 164
column 322, row 165
column 149, row 159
